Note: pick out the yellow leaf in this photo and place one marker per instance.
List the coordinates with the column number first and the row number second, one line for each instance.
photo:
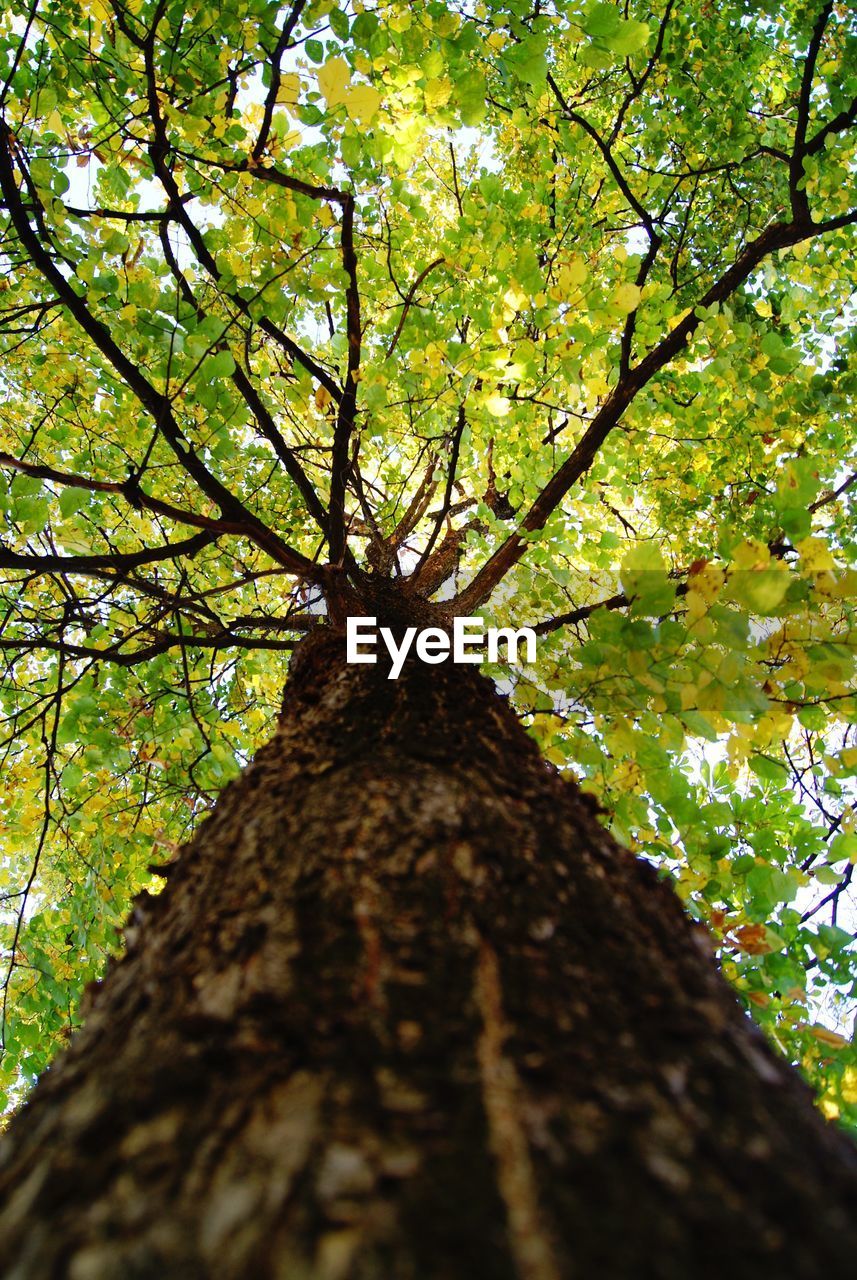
column 707, row 581
column 515, row 297
column 438, row 93
column 288, row 138
column 814, row 555
column 573, row 274
column 362, row 102
column 627, row 298
column 497, row 405
column 290, row 87
column 333, row 80
column 752, row 554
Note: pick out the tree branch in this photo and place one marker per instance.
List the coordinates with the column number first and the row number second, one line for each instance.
column 119, row 560
column 408, row 304
column 345, row 418
column 276, row 78
column 799, row 199
column 777, row 236
column 154, row 401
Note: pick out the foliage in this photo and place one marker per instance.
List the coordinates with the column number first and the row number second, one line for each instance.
column 545, row 310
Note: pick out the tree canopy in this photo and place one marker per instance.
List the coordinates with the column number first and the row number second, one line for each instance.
column 543, row 310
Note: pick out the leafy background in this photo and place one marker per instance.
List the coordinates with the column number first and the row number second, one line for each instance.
column 540, row 196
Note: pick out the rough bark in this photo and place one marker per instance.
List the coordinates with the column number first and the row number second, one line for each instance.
column 406, row 1012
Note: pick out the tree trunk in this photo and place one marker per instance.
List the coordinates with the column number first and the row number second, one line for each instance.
column 406, row 1012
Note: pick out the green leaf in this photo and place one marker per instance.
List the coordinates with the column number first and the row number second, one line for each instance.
column 768, row 770
column 844, row 847
column 32, row 514
column 73, row 500
column 528, row 61
column 631, row 38
column 338, row 23
column 759, row 590
column 698, row 725
column 645, row 579
column 602, row 21
column 363, row 28
column 221, row 365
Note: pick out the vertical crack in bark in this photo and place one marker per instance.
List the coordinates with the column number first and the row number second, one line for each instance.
column 368, row 982
column 365, row 911
column 528, row 1238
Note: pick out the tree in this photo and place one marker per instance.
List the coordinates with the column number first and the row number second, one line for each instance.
column 414, row 312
